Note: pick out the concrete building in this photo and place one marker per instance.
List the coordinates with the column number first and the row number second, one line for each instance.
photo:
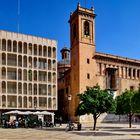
column 28, row 72
column 88, row 67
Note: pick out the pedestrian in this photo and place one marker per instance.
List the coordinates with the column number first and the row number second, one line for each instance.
column 16, row 123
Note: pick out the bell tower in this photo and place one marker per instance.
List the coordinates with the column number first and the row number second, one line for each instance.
column 82, row 39
column 82, row 26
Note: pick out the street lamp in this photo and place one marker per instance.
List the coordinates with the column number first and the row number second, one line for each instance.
column 69, row 99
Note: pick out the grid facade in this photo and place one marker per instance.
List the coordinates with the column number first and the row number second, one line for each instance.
column 28, row 71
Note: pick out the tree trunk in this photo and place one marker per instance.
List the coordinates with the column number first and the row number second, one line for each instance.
column 95, row 119
column 130, row 120
column 119, row 118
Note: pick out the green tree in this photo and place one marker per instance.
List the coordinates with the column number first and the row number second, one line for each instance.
column 136, row 100
column 95, row 101
column 125, row 104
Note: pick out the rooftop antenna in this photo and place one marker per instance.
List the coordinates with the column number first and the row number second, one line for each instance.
column 18, row 14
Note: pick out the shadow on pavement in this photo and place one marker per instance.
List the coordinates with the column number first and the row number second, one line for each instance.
column 126, row 130
column 95, row 133
column 51, row 129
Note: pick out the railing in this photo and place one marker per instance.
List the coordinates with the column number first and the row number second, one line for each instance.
column 11, row 91
column 12, row 63
column 11, row 77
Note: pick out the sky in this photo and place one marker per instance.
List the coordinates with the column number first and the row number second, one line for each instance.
column 117, row 24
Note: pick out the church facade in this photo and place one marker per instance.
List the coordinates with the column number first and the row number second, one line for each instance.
column 88, row 67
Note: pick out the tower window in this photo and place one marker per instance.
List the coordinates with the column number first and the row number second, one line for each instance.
column 88, row 61
column 86, row 28
column 88, row 76
column 74, row 30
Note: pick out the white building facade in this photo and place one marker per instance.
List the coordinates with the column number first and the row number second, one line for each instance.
column 28, row 72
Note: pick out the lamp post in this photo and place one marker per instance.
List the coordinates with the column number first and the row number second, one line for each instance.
column 69, row 99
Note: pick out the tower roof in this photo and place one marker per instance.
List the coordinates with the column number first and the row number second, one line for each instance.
column 81, row 10
column 64, row 49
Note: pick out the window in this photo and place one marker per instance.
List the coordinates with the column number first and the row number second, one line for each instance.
column 88, row 61
column 100, row 69
column 111, row 78
column 129, row 72
column 131, row 88
column 86, row 28
column 134, row 73
column 138, row 74
column 88, row 76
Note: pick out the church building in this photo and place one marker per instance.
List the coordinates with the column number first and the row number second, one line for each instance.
column 86, row 67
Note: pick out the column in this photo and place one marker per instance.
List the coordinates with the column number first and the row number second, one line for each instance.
column 103, row 69
column 119, row 72
column 124, row 73
column 98, row 68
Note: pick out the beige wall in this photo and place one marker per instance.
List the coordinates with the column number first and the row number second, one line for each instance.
column 24, row 90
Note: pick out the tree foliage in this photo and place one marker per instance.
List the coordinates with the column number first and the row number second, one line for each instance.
column 95, row 101
column 127, row 103
column 136, row 101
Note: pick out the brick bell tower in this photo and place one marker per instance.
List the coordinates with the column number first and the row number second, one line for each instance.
column 83, row 67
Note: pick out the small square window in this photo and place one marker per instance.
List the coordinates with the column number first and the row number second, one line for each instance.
column 131, row 88
column 88, row 76
column 88, row 61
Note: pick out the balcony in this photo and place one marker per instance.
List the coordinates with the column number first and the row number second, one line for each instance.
column 12, row 60
column 11, row 76
column 11, row 90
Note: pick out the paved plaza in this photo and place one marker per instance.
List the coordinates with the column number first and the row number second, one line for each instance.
column 105, row 131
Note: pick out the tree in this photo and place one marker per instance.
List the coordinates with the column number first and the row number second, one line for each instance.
column 136, row 100
column 125, row 104
column 95, row 101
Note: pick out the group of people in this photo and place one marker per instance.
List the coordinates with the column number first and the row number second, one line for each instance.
column 31, row 122
column 14, row 123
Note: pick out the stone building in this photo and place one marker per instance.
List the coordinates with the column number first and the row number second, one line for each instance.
column 28, row 72
column 88, row 67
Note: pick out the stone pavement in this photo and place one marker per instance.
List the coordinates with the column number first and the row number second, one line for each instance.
column 106, row 131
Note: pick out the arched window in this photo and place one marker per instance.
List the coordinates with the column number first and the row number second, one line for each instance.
column 20, row 47
column 86, row 28
column 25, row 88
column 14, row 46
column 3, row 101
column 49, row 103
column 4, row 45
column 25, row 102
column 9, row 45
column 30, row 102
column 20, row 102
